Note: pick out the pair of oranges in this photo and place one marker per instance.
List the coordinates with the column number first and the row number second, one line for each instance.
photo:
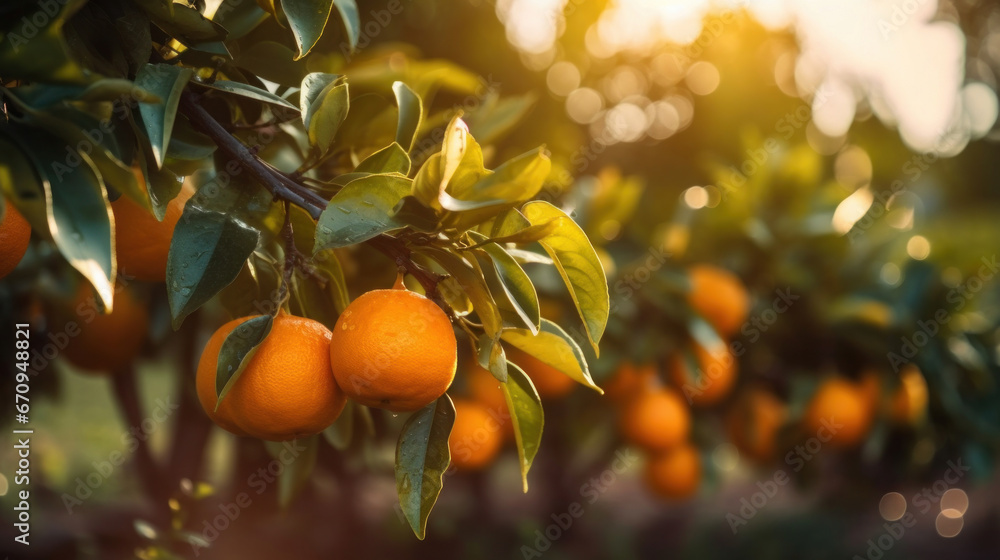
column 392, row 349
column 656, row 418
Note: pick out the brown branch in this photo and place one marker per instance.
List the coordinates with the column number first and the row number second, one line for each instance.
column 286, row 188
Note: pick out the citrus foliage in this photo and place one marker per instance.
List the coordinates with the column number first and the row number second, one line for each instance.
column 291, row 160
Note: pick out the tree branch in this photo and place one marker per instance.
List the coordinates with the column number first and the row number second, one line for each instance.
column 286, row 188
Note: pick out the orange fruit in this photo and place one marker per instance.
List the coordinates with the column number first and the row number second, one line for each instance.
column 839, row 410
column 476, row 436
column 909, row 401
column 713, row 380
column 656, row 420
column 754, row 423
column 141, row 241
column 674, row 474
column 14, row 236
column 286, row 391
column 719, row 297
column 548, row 381
column 629, row 381
column 394, row 349
column 106, row 342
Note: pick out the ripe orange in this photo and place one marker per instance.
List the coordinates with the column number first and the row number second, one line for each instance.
column 656, row 420
column 754, row 423
column 630, row 381
column 14, row 236
column 549, row 382
column 839, row 410
column 141, row 241
column 105, row 343
column 286, row 391
column 476, row 436
column 394, row 349
column 713, row 380
column 674, row 474
column 909, row 401
column 719, row 297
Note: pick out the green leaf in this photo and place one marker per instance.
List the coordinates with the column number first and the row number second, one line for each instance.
column 295, row 475
column 470, row 278
column 391, row 159
column 206, row 253
column 578, row 264
column 492, row 357
column 45, row 55
column 496, row 118
column 312, row 88
column 249, row 91
column 348, row 10
column 427, row 183
column 410, row 113
column 517, row 179
column 360, row 211
column 413, row 213
column 307, row 18
column 526, row 416
column 167, row 82
column 511, row 288
column 326, row 116
column 422, row 457
column 314, row 297
column 237, row 351
column 184, row 23
column 554, row 347
column 78, row 213
column 340, row 433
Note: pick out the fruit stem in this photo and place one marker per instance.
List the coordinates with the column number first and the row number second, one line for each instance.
column 289, row 189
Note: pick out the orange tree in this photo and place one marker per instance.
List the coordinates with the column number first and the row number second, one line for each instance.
column 218, row 150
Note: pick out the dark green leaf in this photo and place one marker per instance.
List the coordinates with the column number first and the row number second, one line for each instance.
column 307, row 18
column 237, row 351
column 516, row 289
column 167, row 82
column 206, row 253
column 410, row 114
column 326, row 116
column 348, row 10
column 272, row 61
column 470, row 278
column 526, row 416
column 78, row 212
column 578, row 264
column 184, row 23
column 311, row 89
column 556, row 348
column 413, row 213
column 422, row 457
column 252, row 92
column 360, row 211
